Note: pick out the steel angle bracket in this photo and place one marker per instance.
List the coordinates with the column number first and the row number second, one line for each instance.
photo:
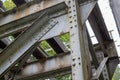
column 17, row 49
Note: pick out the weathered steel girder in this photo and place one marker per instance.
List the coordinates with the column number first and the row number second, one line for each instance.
column 65, row 16
column 45, row 68
column 115, row 6
column 12, row 54
column 24, row 21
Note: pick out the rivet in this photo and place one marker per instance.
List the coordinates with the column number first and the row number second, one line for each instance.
column 73, row 59
column 73, row 65
column 70, row 21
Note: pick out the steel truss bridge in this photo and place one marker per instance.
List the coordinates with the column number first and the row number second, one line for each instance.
column 37, row 20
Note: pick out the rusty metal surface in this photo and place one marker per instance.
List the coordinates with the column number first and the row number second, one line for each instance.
column 21, row 24
column 10, row 25
column 77, row 43
column 15, row 51
column 56, row 64
column 73, row 22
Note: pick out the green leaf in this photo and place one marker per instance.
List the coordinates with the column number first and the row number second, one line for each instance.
column 8, row 4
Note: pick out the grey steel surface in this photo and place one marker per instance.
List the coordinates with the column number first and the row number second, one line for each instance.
column 100, row 69
column 10, row 28
column 94, row 56
column 51, row 67
column 12, row 54
column 99, row 21
column 57, row 44
column 72, row 22
column 100, row 57
column 115, row 6
column 9, row 25
column 78, row 53
column 99, row 28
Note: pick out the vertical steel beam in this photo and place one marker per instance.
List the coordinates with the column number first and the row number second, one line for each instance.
column 87, row 52
column 79, row 68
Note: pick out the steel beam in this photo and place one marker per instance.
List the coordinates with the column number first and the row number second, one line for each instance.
column 10, row 27
column 40, row 53
column 12, row 54
column 87, row 52
column 6, row 41
column 2, row 45
column 112, row 65
column 54, row 65
column 78, row 52
column 115, row 6
column 93, row 55
column 100, row 22
column 100, row 57
column 100, row 69
column 26, row 11
column 23, row 22
column 57, row 45
column 99, row 27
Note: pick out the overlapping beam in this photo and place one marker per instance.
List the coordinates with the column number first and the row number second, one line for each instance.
column 15, row 51
column 11, row 27
column 93, row 55
column 23, row 22
column 14, row 57
column 85, row 11
column 100, row 69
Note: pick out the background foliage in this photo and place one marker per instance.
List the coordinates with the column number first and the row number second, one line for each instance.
column 8, row 4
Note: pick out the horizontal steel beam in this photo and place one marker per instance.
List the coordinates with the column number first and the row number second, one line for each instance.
column 15, row 51
column 54, row 65
column 24, row 22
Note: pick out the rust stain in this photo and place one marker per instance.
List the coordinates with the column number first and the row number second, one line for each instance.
column 62, row 32
column 27, row 11
column 41, row 67
column 46, row 3
column 18, row 15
